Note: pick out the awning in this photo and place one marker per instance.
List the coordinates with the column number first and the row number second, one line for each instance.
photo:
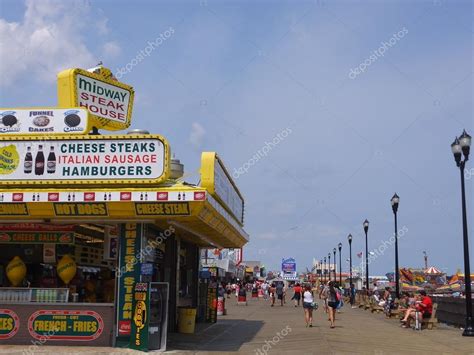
column 190, row 210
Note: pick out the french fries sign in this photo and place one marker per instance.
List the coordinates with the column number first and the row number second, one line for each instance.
column 109, row 101
column 83, row 160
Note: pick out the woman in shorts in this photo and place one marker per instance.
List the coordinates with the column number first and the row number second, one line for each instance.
column 308, row 302
column 333, row 302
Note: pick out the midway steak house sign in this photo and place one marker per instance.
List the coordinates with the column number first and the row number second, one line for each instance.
column 109, row 101
column 95, row 160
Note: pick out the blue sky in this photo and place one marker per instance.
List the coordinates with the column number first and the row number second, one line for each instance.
column 234, row 75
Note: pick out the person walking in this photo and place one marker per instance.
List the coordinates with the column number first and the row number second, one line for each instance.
column 298, row 290
column 352, row 295
column 308, row 304
column 323, row 294
column 272, row 293
column 280, row 289
column 333, row 301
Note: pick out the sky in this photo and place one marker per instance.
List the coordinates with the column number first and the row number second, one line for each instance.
column 321, row 110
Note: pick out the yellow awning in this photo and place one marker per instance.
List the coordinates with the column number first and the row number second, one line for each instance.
column 193, row 212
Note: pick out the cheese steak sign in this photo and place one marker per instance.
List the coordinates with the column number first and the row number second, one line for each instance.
column 109, row 102
column 65, row 325
column 78, row 160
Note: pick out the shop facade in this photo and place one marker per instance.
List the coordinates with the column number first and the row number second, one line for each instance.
column 100, row 242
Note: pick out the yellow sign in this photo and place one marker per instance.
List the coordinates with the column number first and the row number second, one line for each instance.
column 9, row 159
column 13, row 209
column 83, row 160
column 216, row 179
column 162, row 209
column 80, row 209
column 109, row 101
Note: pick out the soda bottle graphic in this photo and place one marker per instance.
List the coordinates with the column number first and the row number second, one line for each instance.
column 39, row 161
column 28, row 164
column 51, row 166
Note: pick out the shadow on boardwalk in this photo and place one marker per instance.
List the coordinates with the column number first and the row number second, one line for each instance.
column 223, row 336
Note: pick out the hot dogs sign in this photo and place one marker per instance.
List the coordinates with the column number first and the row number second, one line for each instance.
column 75, row 160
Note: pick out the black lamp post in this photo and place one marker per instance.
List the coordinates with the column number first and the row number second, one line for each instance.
column 321, row 271
column 324, row 270
column 463, row 144
column 329, row 266
column 334, row 261
column 339, row 246
column 395, row 200
column 349, row 239
column 366, row 230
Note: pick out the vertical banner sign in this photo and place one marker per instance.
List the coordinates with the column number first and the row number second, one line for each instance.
column 211, row 305
column 128, row 275
column 141, row 312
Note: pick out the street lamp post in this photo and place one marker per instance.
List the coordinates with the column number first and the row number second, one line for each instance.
column 339, row 246
column 334, row 261
column 321, row 271
column 395, row 201
column 329, row 266
column 324, row 270
column 366, row 230
column 463, row 144
column 349, row 239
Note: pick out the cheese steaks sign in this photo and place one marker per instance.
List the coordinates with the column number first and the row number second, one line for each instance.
column 65, row 325
column 109, row 101
column 76, row 160
column 128, row 274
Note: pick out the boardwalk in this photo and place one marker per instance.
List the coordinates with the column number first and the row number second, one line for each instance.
column 253, row 329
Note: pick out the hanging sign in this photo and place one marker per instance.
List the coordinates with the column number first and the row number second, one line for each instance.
column 47, row 120
column 109, row 101
column 141, row 317
column 128, row 274
column 36, row 238
column 216, row 179
column 78, row 160
column 65, row 325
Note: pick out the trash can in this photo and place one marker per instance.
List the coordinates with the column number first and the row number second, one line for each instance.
column 220, row 306
column 186, row 320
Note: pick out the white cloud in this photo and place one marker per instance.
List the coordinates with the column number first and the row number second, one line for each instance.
column 50, row 38
column 197, row 134
column 111, row 50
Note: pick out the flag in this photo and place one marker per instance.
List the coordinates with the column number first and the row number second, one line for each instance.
column 359, row 255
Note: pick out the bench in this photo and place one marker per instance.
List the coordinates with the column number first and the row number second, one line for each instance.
column 432, row 322
column 374, row 307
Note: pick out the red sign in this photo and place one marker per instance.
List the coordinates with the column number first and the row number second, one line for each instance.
column 9, row 324
column 199, row 196
column 162, row 196
column 125, row 327
column 18, row 197
column 53, row 196
column 89, row 196
column 125, row 196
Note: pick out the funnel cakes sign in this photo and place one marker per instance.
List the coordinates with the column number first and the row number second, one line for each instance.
column 49, row 120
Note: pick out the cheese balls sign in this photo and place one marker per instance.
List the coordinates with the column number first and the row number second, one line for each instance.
column 109, row 101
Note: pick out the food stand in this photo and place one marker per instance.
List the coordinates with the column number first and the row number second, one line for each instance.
column 85, row 217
